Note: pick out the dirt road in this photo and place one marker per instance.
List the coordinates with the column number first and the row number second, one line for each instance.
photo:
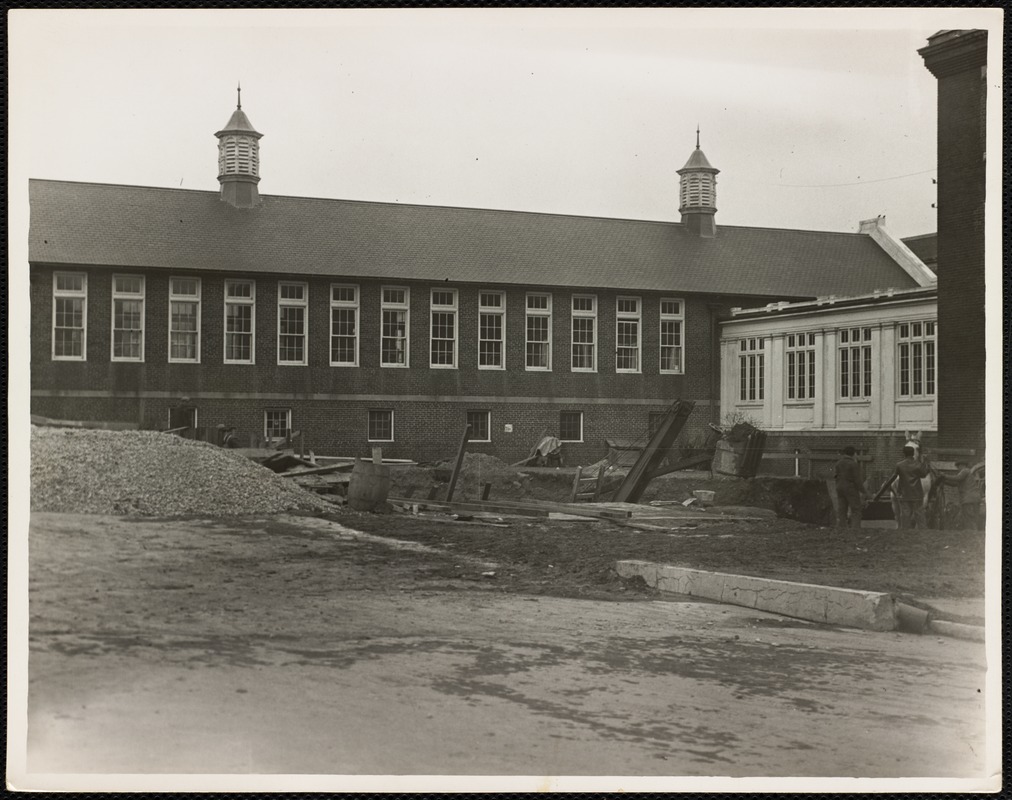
column 293, row 646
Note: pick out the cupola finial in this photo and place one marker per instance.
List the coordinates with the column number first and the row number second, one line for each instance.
column 238, row 102
column 697, row 135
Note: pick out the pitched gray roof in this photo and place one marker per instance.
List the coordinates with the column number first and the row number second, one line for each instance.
column 133, row 226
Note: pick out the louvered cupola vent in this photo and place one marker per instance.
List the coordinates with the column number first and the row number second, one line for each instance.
column 698, row 193
column 239, row 159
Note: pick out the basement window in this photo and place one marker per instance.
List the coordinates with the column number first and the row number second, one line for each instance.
column 571, row 426
column 381, row 425
column 480, row 427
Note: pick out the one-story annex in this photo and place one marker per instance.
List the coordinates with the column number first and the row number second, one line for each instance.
column 376, row 323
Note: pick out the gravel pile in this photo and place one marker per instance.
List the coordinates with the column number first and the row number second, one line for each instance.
column 154, row 474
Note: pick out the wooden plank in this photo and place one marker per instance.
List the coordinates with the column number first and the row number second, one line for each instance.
column 486, row 490
column 576, row 485
column 565, row 508
column 461, row 505
column 639, row 476
column 456, row 464
column 377, row 455
column 318, row 470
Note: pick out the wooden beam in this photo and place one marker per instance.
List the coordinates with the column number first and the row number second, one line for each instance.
column 576, row 485
column 639, row 476
column 317, row 470
column 456, row 465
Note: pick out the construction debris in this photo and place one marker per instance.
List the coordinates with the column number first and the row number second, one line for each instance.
column 153, row 474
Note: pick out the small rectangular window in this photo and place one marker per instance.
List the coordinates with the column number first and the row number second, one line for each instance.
column 539, row 332
column 443, row 331
column 277, row 423
column 627, row 334
column 394, row 327
column 480, row 426
column 184, row 320
column 293, row 310
column 343, row 326
column 672, row 342
column 584, row 338
column 70, row 314
column 491, row 330
column 127, row 318
column 571, row 426
column 240, row 317
column 381, row 425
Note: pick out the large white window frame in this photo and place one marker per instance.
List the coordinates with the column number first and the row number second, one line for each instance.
column 240, row 314
column 379, row 417
column 274, row 419
column 801, row 373
column 70, row 316
column 344, row 324
column 395, row 327
column 752, row 369
column 628, row 334
column 128, row 307
column 583, row 342
column 538, row 332
column 491, row 330
column 184, row 322
column 854, row 363
column 916, row 359
column 672, row 336
column 293, row 323
column 443, row 329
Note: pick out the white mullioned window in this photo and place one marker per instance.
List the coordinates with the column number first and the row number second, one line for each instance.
column 571, row 426
column 127, row 317
column 584, row 339
column 672, row 335
column 801, row 366
column 380, row 425
column 751, row 369
column 240, row 321
column 539, row 331
column 855, row 363
column 277, row 423
column 443, row 330
column 627, row 334
column 344, row 305
column 184, row 320
column 481, row 429
column 916, row 358
column 491, row 330
column 293, row 312
column 394, row 326
column 70, row 316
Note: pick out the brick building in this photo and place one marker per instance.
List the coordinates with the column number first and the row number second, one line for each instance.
column 376, row 323
column 958, row 59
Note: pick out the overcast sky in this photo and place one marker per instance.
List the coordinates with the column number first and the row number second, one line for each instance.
column 816, row 119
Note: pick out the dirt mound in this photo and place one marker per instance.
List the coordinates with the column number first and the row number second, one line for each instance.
column 154, row 474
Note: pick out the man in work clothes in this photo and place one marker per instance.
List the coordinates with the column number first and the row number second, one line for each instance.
column 849, row 489
column 910, row 490
column 969, row 496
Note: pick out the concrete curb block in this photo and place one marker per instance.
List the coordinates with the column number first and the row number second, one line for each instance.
column 957, row 630
column 850, row 607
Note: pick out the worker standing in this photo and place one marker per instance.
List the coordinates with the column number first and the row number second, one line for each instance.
column 969, row 496
column 909, row 489
column 849, row 488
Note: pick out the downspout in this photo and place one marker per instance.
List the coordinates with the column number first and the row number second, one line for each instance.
column 715, row 310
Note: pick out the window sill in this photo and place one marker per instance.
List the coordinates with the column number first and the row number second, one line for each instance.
column 69, row 358
column 127, row 360
column 184, row 361
column 537, row 369
column 239, row 363
column 442, row 366
column 584, row 370
column 293, row 364
column 393, row 366
column 492, row 369
column 343, row 364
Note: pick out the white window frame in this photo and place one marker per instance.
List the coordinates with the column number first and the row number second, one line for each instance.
column 855, row 343
column 799, row 354
column 119, row 295
column 71, row 294
column 629, row 316
column 570, row 411
column 545, row 313
column 451, row 310
column 185, row 298
column 678, row 318
column 499, row 311
column 238, row 300
column 196, row 415
column 929, row 363
column 368, row 423
column 488, row 424
column 288, row 422
column 752, row 369
column 352, row 305
column 302, row 303
column 404, row 306
column 583, row 314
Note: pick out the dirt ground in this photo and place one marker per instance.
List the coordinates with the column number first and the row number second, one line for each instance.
column 576, row 558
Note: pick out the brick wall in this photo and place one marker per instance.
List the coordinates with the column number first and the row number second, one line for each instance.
column 957, row 62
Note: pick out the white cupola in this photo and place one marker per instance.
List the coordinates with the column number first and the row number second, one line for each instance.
column 698, row 193
column 239, row 159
